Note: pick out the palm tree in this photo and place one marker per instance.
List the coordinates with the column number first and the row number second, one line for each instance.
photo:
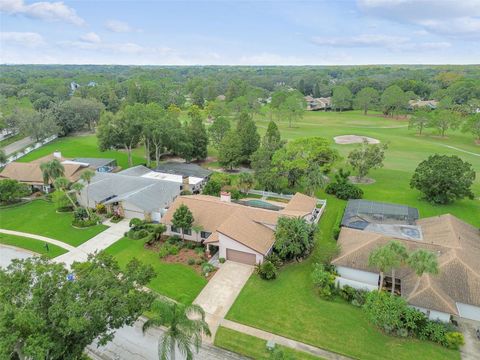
column 62, row 183
column 51, row 170
column 87, row 176
column 382, row 258
column 400, row 255
column 185, row 326
column 422, row 262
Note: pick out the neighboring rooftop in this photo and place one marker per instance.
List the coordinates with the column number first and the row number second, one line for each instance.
column 30, row 173
column 185, row 169
column 146, row 194
column 457, row 245
column 360, row 213
column 96, row 162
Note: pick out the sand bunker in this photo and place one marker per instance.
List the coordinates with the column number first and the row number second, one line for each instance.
column 354, row 139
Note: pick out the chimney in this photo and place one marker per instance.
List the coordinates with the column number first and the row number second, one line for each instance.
column 225, row 196
column 57, row 154
column 185, row 183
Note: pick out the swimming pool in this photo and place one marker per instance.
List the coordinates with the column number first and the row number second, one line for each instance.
column 260, row 204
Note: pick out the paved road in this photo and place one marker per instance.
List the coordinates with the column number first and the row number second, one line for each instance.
column 99, row 242
column 8, row 253
column 131, row 344
column 18, row 145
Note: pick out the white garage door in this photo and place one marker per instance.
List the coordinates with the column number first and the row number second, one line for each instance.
column 468, row 311
column 130, row 214
column 241, row 257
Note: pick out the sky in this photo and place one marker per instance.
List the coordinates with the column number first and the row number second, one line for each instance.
column 230, row 32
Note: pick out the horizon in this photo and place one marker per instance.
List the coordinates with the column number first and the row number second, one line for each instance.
column 240, row 33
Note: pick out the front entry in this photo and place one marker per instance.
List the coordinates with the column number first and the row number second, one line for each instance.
column 241, row 257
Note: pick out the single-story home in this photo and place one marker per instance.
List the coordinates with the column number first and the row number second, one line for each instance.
column 455, row 290
column 31, row 174
column 242, row 232
column 189, row 177
column 417, row 104
column 315, row 104
column 132, row 197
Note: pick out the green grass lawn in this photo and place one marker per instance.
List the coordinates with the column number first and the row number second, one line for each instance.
column 290, row 307
column 177, row 281
column 84, row 146
column 252, row 346
column 40, row 217
column 405, row 151
column 36, row 246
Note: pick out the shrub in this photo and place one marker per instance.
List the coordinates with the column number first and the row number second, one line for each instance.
column 191, row 261
column 199, row 250
column 199, row 261
column 235, row 194
column 267, row 270
column 11, row 191
column 190, row 245
column 344, row 191
column 174, row 240
column 324, row 281
column 93, row 220
column 137, row 234
column 294, row 238
column 167, row 249
column 392, row 313
column 221, row 260
column 213, row 188
column 274, row 259
column 207, row 268
column 454, row 339
column 185, row 192
column 80, row 214
column 434, row 331
column 101, row 208
column 136, row 223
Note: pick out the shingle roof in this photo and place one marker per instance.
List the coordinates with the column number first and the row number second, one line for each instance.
column 252, row 227
column 185, row 169
column 138, row 170
column 30, row 173
column 457, row 245
column 95, row 162
column 146, row 194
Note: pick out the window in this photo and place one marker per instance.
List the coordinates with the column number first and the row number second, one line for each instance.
column 205, row 234
column 174, row 229
column 187, row 231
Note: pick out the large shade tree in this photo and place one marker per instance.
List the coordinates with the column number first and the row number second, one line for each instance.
column 367, row 157
column 49, row 312
column 185, row 326
column 443, row 179
column 366, row 99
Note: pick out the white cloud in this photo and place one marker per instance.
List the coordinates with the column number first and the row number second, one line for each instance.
column 50, row 11
column 449, row 17
column 29, row 39
column 119, row 26
column 91, row 37
column 363, row 40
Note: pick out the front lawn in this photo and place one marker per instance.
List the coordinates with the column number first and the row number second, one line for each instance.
column 288, row 306
column 83, row 146
column 36, row 246
column 177, row 281
column 252, row 346
column 40, row 217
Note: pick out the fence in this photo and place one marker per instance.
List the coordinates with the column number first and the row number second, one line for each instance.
column 28, row 149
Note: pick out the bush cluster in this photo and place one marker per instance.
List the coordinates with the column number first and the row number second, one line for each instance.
column 267, row 270
column 354, row 296
column 323, row 279
column 394, row 316
column 168, row 249
column 344, row 191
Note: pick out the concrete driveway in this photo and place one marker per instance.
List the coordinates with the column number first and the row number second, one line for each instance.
column 221, row 291
column 471, row 349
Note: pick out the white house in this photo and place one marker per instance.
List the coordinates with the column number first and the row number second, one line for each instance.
column 455, row 290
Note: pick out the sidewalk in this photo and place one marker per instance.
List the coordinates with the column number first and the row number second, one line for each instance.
column 324, row 354
column 99, row 242
column 39, row 237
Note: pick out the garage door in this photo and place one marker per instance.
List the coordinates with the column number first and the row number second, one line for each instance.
column 241, row 257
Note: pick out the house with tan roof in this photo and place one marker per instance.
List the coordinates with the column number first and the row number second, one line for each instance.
column 455, row 290
column 242, row 231
column 31, row 173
